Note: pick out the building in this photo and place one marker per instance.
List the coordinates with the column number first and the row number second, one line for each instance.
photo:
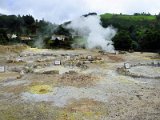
column 59, row 37
column 25, row 38
column 11, row 36
column 14, row 36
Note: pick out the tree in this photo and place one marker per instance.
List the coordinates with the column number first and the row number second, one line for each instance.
column 158, row 17
column 28, row 19
column 150, row 40
column 3, row 37
column 122, row 41
column 62, row 31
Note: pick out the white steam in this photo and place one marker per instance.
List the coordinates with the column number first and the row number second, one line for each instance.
column 39, row 43
column 93, row 34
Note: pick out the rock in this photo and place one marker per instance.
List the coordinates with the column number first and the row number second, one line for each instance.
column 51, row 72
column 139, row 97
column 19, row 60
column 98, row 58
column 38, row 67
column 155, row 63
column 101, row 52
column 71, row 72
column 28, row 69
column 2, row 69
column 86, row 62
column 89, row 57
column 9, row 61
column 76, row 58
column 39, row 60
column 22, row 72
column 19, row 77
column 126, row 65
column 16, row 69
column 116, row 52
column 131, row 51
column 68, row 57
column 122, row 52
column 62, row 55
column 84, row 67
column 79, row 64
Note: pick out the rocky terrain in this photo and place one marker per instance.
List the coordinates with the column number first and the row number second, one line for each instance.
column 41, row 84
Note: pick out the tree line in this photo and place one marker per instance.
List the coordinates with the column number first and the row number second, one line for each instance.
column 139, row 32
column 25, row 25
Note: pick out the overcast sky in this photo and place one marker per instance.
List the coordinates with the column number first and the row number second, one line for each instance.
column 58, row 11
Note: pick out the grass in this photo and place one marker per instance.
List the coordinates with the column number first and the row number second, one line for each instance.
column 128, row 17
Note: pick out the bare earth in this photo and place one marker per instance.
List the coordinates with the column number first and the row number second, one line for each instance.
column 86, row 86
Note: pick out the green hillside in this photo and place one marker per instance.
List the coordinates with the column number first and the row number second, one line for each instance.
column 129, row 17
column 140, row 31
column 124, row 21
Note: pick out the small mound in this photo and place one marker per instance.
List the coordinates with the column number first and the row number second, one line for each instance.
column 78, row 80
column 40, row 89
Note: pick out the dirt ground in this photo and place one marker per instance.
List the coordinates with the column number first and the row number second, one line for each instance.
column 84, row 86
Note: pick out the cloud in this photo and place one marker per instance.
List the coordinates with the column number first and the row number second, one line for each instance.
column 54, row 11
column 59, row 11
column 125, row 6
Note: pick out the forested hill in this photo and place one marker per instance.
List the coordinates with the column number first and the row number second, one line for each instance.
column 23, row 24
column 14, row 28
column 123, row 21
column 138, row 31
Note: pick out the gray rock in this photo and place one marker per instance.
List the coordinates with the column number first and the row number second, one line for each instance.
column 126, row 65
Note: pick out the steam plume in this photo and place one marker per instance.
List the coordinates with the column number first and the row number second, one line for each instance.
column 39, row 43
column 92, row 33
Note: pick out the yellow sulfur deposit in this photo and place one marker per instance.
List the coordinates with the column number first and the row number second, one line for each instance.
column 40, row 89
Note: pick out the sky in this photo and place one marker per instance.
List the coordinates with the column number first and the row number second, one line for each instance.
column 59, row 11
